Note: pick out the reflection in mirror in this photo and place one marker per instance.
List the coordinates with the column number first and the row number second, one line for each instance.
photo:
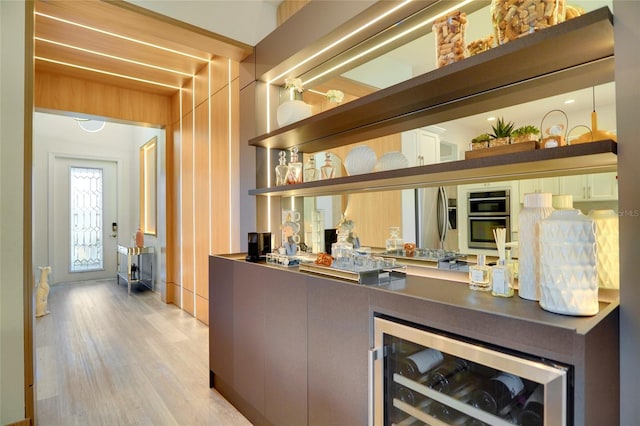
column 148, row 187
column 373, row 214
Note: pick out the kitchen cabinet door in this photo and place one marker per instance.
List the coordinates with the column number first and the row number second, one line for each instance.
column 576, row 186
column 338, row 345
column 593, row 187
column 527, row 186
column 603, row 186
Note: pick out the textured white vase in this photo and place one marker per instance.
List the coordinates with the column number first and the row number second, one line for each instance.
column 608, row 250
column 568, row 272
column 291, row 111
column 537, row 206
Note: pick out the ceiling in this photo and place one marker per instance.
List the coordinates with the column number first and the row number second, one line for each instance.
column 121, row 44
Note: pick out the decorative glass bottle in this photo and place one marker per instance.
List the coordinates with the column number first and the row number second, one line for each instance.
column 328, row 170
column 502, row 279
column 394, row 244
column 342, row 250
column 295, row 168
column 537, row 206
column 139, row 238
column 282, row 169
column 310, row 171
column 479, row 275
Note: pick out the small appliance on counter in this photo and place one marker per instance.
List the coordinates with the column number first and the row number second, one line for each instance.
column 253, row 251
column 259, row 245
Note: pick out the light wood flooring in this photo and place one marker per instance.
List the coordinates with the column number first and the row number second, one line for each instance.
column 105, row 358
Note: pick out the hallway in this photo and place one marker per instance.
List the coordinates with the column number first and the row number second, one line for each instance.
column 104, row 358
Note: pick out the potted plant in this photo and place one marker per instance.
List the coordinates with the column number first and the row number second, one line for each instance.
column 480, row 141
column 525, row 134
column 501, row 132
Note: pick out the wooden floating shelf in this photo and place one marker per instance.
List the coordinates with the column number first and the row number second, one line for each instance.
column 569, row 56
column 593, row 157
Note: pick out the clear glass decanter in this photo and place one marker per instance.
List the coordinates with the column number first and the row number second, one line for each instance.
column 342, row 249
column 295, row 168
column 328, row 170
column 394, row 244
column 282, row 169
column 310, row 171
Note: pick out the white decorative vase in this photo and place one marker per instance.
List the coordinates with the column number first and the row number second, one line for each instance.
column 568, row 272
column 537, row 206
column 292, row 110
column 607, row 245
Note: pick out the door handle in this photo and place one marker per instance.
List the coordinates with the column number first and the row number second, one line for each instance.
column 375, row 354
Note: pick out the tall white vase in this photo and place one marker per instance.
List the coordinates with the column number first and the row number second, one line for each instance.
column 568, row 272
column 292, row 109
column 537, row 206
column 608, row 250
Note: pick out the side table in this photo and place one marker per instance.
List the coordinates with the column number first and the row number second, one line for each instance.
column 124, row 268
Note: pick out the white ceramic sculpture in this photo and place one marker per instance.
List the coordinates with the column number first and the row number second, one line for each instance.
column 42, row 291
column 568, row 272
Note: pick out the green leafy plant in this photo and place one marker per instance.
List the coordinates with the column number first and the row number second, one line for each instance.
column 481, row 138
column 525, row 130
column 501, row 129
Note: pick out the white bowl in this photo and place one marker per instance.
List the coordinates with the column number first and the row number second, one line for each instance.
column 359, row 160
column 391, row 160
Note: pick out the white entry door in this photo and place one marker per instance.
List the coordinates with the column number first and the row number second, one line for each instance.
column 83, row 203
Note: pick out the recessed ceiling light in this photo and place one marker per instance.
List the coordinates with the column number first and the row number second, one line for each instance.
column 492, row 118
column 569, row 101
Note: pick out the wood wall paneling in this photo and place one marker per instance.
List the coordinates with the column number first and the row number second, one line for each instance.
column 201, row 85
column 186, row 204
column 234, row 196
column 176, row 115
column 220, row 172
column 174, row 264
column 187, row 98
column 188, row 302
column 62, row 93
column 202, row 308
column 201, row 200
column 219, row 74
column 288, row 8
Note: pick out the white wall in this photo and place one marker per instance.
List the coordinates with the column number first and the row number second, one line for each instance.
column 59, row 135
column 12, row 48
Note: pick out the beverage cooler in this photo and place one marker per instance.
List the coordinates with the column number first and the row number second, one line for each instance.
column 425, row 377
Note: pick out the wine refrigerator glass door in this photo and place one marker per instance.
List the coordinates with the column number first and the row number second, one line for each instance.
column 422, row 378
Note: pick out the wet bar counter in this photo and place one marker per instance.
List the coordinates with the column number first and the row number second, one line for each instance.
column 288, row 347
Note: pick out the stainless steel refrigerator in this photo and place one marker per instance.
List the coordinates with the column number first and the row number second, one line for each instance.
column 432, row 217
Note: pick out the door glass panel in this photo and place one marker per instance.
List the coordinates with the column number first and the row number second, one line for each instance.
column 424, row 384
column 86, row 219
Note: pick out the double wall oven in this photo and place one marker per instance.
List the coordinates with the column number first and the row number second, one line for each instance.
column 486, row 211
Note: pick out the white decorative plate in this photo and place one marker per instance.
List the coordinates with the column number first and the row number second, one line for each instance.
column 359, row 160
column 391, row 160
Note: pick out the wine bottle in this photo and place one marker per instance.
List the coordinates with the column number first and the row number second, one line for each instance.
column 445, row 413
column 409, row 396
column 419, row 363
column 497, row 392
column 450, row 376
column 533, row 412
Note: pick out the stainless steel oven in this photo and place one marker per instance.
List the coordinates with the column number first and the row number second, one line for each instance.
column 487, row 210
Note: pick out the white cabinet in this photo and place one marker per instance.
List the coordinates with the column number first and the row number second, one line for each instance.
column 421, row 144
column 527, row 186
column 592, row 187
